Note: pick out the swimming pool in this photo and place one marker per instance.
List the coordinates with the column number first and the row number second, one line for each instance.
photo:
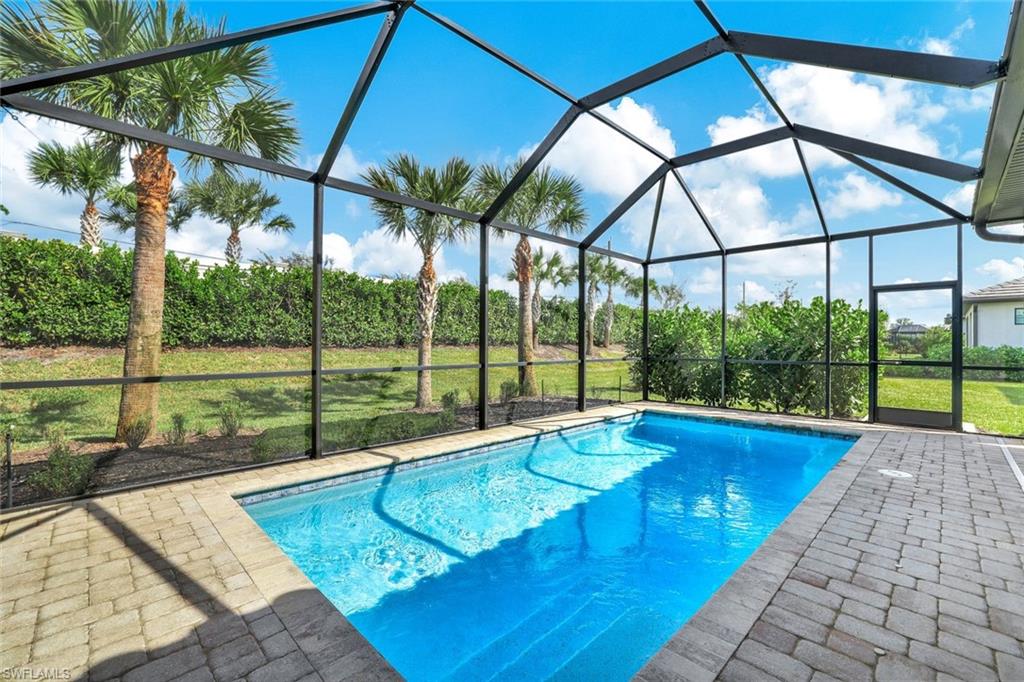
column 572, row 555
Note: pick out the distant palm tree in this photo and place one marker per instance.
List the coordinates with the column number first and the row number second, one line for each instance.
column 238, row 203
column 612, row 276
column 81, row 169
column 595, row 277
column 451, row 185
column 123, row 205
column 221, row 97
column 670, row 296
column 547, row 201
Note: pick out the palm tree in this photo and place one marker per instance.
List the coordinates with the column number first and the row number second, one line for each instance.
column 670, row 296
column 595, row 277
column 219, row 97
column 613, row 275
column 239, row 204
column 82, row 169
column 546, row 201
column 550, row 269
column 123, row 204
column 451, row 185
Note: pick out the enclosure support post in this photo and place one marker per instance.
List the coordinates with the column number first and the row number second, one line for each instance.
column 724, row 314
column 872, row 334
column 957, row 328
column 484, row 330
column 317, row 439
column 828, row 329
column 581, row 332
column 645, row 331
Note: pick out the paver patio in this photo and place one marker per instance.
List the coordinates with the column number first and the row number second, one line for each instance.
column 870, row 577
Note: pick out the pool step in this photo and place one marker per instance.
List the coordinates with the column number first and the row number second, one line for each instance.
column 552, row 648
column 617, row 648
column 548, row 616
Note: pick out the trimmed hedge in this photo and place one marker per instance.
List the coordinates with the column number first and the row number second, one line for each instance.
column 56, row 293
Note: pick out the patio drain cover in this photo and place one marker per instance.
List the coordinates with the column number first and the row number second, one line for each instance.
column 895, row 474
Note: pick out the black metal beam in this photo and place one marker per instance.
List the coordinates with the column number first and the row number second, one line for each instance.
column 61, row 113
column 483, row 330
column 929, row 68
column 316, row 404
column 654, row 232
column 645, row 324
column 361, row 87
column 957, row 325
column 906, row 187
column 581, row 330
column 163, row 54
column 625, row 205
column 894, row 229
column 652, row 74
column 733, row 146
column 880, row 152
column 696, row 207
column 810, row 187
column 531, row 163
column 496, row 53
column 617, row 254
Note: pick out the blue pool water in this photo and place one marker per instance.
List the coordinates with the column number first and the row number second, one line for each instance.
column 572, row 556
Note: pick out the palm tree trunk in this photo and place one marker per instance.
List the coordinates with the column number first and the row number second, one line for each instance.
column 426, row 293
column 591, row 314
column 89, row 224
column 154, row 174
column 524, row 275
column 609, row 317
column 536, row 316
column 233, row 251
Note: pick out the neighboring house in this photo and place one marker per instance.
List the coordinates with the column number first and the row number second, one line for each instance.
column 906, row 332
column 994, row 316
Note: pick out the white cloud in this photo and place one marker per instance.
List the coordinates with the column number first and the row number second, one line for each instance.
column 961, row 198
column 378, row 254
column 947, row 45
column 1001, row 270
column 24, row 199
column 751, row 292
column 971, row 155
column 855, row 193
column 605, row 161
column 346, row 166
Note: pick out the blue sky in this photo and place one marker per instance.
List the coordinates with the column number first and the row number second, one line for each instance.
column 437, row 96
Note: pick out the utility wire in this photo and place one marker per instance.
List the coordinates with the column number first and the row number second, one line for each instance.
column 120, row 241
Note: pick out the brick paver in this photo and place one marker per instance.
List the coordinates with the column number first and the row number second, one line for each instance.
column 904, row 579
column 869, row 578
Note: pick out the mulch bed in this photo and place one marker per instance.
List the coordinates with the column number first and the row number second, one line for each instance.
column 117, row 466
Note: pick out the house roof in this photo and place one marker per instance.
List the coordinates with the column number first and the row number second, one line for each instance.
column 1010, row 290
column 908, row 329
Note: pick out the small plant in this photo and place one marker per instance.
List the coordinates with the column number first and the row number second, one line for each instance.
column 137, row 432
column 262, row 449
column 65, row 473
column 230, row 421
column 509, row 390
column 179, row 430
column 451, row 400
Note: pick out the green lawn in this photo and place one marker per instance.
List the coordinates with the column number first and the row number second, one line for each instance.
column 88, row 414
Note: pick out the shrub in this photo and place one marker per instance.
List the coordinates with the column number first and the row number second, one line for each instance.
column 178, row 433
column 451, row 400
column 137, row 432
column 509, row 390
column 230, row 421
column 56, row 293
column 263, row 449
column 65, row 473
